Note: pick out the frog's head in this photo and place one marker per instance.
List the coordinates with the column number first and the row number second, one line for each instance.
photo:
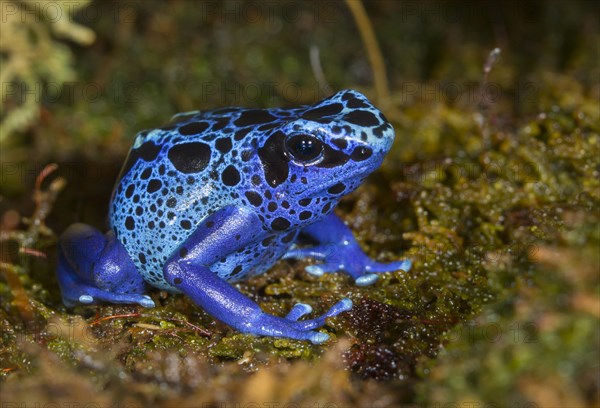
column 325, row 150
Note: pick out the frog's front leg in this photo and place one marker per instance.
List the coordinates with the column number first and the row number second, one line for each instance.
column 338, row 250
column 95, row 267
column 222, row 233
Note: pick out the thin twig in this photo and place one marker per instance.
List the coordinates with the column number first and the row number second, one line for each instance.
column 105, row 318
column 102, row 319
column 32, row 252
column 374, row 52
column 43, row 199
column 484, row 104
column 492, row 59
column 317, row 68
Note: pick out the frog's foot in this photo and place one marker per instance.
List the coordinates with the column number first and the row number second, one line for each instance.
column 291, row 327
column 78, row 295
column 347, row 257
column 227, row 304
column 95, row 268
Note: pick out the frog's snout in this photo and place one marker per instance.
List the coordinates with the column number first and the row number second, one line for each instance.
column 371, row 127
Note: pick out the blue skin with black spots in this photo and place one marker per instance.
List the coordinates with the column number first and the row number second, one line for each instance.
column 218, row 196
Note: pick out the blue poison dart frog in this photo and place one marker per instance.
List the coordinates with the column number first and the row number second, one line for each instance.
column 219, row 196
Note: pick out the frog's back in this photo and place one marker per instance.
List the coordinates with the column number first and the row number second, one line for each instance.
column 177, row 175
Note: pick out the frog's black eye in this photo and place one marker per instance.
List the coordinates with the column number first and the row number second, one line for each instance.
column 304, row 148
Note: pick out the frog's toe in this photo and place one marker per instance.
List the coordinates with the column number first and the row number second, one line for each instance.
column 380, row 267
column 318, row 338
column 315, row 270
column 146, row 301
column 86, row 299
column 129, row 298
column 93, row 295
column 299, row 310
column 319, row 252
column 322, row 269
column 314, row 337
column 368, row 275
column 342, row 306
column 366, row 280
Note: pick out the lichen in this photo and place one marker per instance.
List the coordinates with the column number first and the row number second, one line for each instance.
column 34, row 58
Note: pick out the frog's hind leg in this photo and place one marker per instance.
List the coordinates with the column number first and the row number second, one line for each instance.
column 95, row 267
